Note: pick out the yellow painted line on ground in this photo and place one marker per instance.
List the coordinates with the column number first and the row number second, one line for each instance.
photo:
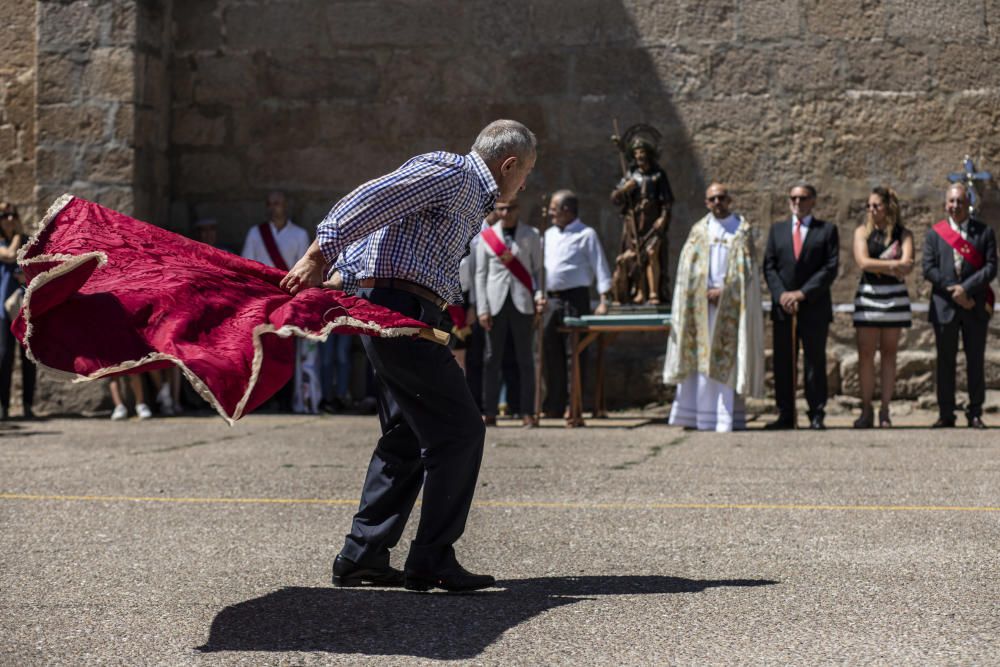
column 511, row 504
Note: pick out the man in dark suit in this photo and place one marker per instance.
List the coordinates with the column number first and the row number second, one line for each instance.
column 960, row 260
column 800, row 264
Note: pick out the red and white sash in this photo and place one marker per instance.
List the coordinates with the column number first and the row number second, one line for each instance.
column 272, row 246
column 504, row 254
column 968, row 252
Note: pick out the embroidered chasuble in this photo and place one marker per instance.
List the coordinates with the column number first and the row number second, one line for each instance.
column 715, row 353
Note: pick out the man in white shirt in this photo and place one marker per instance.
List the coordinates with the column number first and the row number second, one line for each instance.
column 573, row 260
column 508, row 293
column 280, row 243
column 279, row 233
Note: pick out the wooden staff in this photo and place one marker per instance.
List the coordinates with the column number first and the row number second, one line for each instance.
column 540, row 318
column 795, row 370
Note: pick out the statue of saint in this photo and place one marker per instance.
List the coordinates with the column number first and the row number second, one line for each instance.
column 645, row 198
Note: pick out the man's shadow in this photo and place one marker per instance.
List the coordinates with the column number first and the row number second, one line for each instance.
column 396, row 622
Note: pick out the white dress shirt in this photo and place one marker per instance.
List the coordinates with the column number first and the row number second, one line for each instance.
column 963, row 230
column 292, row 242
column 574, row 258
column 720, row 233
column 804, row 230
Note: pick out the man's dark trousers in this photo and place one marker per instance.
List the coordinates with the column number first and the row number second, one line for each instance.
column 509, row 324
column 573, row 302
column 973, row 331
column 813, row 335
column 432, row 433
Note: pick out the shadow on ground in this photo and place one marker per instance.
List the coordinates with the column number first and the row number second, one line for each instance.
column 395, row 622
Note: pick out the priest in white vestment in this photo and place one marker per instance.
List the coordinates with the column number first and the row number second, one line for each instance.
column 715, row 353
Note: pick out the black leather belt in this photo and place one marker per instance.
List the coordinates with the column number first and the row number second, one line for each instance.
column 406, row 286
column 558, row 294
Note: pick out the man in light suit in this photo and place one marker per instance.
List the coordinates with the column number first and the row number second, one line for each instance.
column 800, row 263
column 960, row 260
column 508, row 295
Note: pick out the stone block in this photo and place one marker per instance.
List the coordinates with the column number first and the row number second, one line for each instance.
column 8, row 143
column 276, row 127
column 71, row 122
column 713, row 21
column 404, row 23
column 297, row 26
column 123, row 24
column 194, row 127
column 769, row 20
column 197, row 25
column 608, row 71
column 19, row 181
column 107, row 165
column 152, row 81
column 123, row 124
column 229, row 78
column 955, row 22
column 740, row 72
column 316, row 168
column 70, row 25
column 210, row 172
column 316, row 78
column 867, row 67
column 845, row 19
column 17, row 35
column 56, row 164
column 110, row 74
column 59, row 78
column 19, row 102
column 182, row 79
column 56, row 396
column 808, row 69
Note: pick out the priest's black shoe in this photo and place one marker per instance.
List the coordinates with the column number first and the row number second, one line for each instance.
column 976, row 422
column 780, row 424
column 347, row 573
column 816, row 424
column 454, row 578
column 944, row 423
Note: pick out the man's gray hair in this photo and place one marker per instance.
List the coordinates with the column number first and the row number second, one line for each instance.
column 963, row 187
column 504, row 138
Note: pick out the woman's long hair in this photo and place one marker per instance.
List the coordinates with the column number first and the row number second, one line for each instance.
column 891, row 202
column 9, row 210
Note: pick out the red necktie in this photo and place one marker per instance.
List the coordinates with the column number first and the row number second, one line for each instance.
column 797, row 239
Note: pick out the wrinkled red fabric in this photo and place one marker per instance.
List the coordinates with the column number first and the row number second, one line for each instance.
column 110, row 295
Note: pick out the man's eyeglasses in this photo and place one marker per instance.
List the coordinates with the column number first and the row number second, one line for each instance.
column 797, row 198
column 717, row 198
column 7, row 215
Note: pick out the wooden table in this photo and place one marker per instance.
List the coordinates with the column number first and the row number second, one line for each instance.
column 603, row 328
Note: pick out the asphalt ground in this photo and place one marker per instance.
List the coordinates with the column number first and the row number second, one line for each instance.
column 183, row 541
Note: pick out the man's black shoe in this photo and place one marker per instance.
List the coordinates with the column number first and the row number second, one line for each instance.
column 347, row 573
column 976, row 422
column 944, row 423
column 816, row 424
column 779, row 424
column 455, row 579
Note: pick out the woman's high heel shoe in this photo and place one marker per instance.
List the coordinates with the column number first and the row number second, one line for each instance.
column 866, row 420
column 883, row 418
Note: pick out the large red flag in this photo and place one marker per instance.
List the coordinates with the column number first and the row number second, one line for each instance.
column 110, row 295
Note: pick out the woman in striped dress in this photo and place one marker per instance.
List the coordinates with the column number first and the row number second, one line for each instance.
column 883, row 249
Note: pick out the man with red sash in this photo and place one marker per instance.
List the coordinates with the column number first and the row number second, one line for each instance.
column 279, row 242
column 508, row 270
column 960, row 260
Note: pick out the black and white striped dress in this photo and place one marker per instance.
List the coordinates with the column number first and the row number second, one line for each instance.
column 881, row 300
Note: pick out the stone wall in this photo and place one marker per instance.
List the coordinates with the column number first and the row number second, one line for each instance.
column 17, row 106
column 102, row 104
column 176, row 110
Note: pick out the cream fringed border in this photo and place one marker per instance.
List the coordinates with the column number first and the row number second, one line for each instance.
column 70, row 263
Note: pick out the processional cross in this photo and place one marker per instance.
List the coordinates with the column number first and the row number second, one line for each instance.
column 968, row 178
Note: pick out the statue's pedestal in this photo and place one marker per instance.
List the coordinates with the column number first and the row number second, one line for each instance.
column 638, row 309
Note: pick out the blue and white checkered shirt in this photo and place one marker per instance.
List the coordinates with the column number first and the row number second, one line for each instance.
column 415, row 223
